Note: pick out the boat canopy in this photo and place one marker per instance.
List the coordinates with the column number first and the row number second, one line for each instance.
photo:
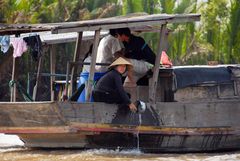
column 139, row 22
column 134, row 22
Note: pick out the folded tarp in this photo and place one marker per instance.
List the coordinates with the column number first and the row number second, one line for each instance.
column 190, row 76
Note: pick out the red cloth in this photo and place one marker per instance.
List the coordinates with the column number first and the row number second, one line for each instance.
column 164, row 60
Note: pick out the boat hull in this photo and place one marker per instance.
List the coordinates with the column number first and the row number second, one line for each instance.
column 168, row 127
column 152, row 142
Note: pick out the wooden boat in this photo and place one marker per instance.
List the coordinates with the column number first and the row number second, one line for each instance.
column 185, row 113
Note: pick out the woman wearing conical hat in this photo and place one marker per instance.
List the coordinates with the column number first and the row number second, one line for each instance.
column 109, row 88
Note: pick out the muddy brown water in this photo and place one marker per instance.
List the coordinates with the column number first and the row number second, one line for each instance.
column 11, row 149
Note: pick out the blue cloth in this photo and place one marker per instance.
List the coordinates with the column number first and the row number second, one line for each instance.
column 4, row 43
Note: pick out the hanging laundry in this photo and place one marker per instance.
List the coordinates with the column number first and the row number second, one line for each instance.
column 35, row 45
column 4, row 43
column 19, row 47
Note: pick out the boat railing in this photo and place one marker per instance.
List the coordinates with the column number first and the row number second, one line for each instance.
column 70, row 66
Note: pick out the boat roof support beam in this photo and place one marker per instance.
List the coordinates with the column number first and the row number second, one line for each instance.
column 154, row 80
column 92, row 66
column 13, row 88
column 52, row 69
column 123, row 22
column 75, row 59
column 37, row 79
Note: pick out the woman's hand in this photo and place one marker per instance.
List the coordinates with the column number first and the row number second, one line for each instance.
column 132, row 107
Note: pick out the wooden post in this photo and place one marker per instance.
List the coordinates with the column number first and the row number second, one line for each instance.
column 92, row 67
column 52, row 69
column 37, row 79
column 13, row 89
column 67, row 79
column 154, row 81
column 75, row 58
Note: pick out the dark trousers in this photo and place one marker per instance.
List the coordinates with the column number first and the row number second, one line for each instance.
column 108, row 97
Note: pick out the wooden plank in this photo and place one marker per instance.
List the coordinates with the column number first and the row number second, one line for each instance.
column 92, row 67
column 52, row 69
column 83, row 128
column 37, row 79
column 30, row 115
column 67, row 79
column 157, row 18
column 97, row 24
column 154, row 81
column 13, row 89
column 76, row 58
column 102, row 27
column 37, row 130
column 154, row 130
column 52, row 140
column 121, row 22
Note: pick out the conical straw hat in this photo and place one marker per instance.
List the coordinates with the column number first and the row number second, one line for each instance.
column 120, row 61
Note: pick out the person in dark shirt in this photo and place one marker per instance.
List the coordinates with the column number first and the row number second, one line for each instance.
column 109, row 88
column 139, row 53
column 135, row 46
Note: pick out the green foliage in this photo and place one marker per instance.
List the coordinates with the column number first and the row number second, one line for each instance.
column 214, row 20
column 186, row 6
column 131, row 6
column 167, row 6
column 215, row 38
column 181, row 37
column 234, row 33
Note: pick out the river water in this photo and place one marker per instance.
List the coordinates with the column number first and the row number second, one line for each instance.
column 11, row 149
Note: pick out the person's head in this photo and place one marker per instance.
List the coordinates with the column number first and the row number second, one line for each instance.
column 121, row 65
column 123, row 34
column 121, row 68
column 113, row 32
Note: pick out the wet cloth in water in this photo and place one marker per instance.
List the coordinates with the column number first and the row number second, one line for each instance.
column 188, row 76
column 35, row 44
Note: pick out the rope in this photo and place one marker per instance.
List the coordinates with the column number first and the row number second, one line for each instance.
column 21, row 90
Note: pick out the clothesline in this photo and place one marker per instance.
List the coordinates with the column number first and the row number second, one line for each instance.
column 45, row 38
column 21, row 45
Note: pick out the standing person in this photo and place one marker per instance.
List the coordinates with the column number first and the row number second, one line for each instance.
column 109, row 88
column 137, row 50
column 108, row 50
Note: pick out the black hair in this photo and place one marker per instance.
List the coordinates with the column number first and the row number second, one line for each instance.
column 126, row 31
column 89, row 53
column 113, row 32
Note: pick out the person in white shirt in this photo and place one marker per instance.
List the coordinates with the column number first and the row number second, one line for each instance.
column 109, row 49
